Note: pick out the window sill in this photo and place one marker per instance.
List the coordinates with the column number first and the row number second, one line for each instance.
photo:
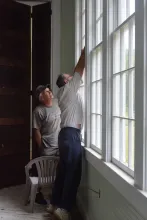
column 120, row 180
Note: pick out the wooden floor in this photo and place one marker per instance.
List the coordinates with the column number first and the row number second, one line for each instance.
column 12, row 206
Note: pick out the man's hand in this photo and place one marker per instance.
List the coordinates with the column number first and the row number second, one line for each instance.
column 83, row 51
column 37, row 137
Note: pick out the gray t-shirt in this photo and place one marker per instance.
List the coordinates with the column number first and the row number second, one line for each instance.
column 70, row 103
column 47, row 120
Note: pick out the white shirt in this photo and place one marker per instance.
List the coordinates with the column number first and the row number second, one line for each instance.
column 70, row 103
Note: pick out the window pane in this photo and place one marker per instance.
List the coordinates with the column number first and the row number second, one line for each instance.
column 131, row 80
column 98, row 131
column 132, row 6
column 120, row 140
column 93, row 94
column 116, row 95
column 116, row 57
column 116, row 137
column 99, row 24
column 122, row 11
column 125, row 9
column 99, row 63
column 124, row 47
column 94, row 66
column 124, row 83
column 99, row 8
column 93, row 129
column 131, row 144
column 83, row 24
column 99, row 97
column 132, row 43
column 123, row 152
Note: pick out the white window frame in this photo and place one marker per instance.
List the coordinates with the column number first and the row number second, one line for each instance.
column 140, row 95
column 140, row 179
column 144, row 154
column 90, row 48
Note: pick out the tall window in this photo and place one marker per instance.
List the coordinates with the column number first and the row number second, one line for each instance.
column 115, row 85
column 123, row 113
column 80, row 42
column 116, row 81
column 96, row 74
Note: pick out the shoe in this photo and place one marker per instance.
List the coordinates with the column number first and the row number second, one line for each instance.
column 50, row 209
column 40, row 199
column 61, row 214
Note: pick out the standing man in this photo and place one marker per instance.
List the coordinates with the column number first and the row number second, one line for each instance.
column 69, row 168
column 46, row 122
column 46, row 127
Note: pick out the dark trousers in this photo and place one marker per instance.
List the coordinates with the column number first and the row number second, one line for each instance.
column 69, row 169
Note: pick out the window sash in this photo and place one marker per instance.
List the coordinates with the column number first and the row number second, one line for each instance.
column 96, row 98
column 80, row 41
column 122, row 85
column 95, row 55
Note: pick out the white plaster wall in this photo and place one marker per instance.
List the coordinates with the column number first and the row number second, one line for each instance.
column 67, row 35
column 63, row 39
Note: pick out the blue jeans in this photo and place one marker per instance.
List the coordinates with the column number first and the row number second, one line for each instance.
column 69, row 169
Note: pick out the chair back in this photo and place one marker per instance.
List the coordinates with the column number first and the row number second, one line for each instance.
column 46, row 169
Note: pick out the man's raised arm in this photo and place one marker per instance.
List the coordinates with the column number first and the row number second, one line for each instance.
column 81, row 63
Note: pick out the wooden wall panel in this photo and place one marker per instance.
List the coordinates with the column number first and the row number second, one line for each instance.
column 14, row 91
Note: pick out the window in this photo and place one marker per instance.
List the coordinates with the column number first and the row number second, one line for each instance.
column 123, row 113
column 80, row 42
column 116, row 79
column 96, row 75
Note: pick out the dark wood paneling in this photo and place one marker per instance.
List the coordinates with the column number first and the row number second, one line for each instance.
column 13, row 75
column 12, row 121
column 8, row 149
column 10, row 170
column 11, row 102
column 14, row 91
column 41, row 44
column 15, row 133
column 14, row 19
